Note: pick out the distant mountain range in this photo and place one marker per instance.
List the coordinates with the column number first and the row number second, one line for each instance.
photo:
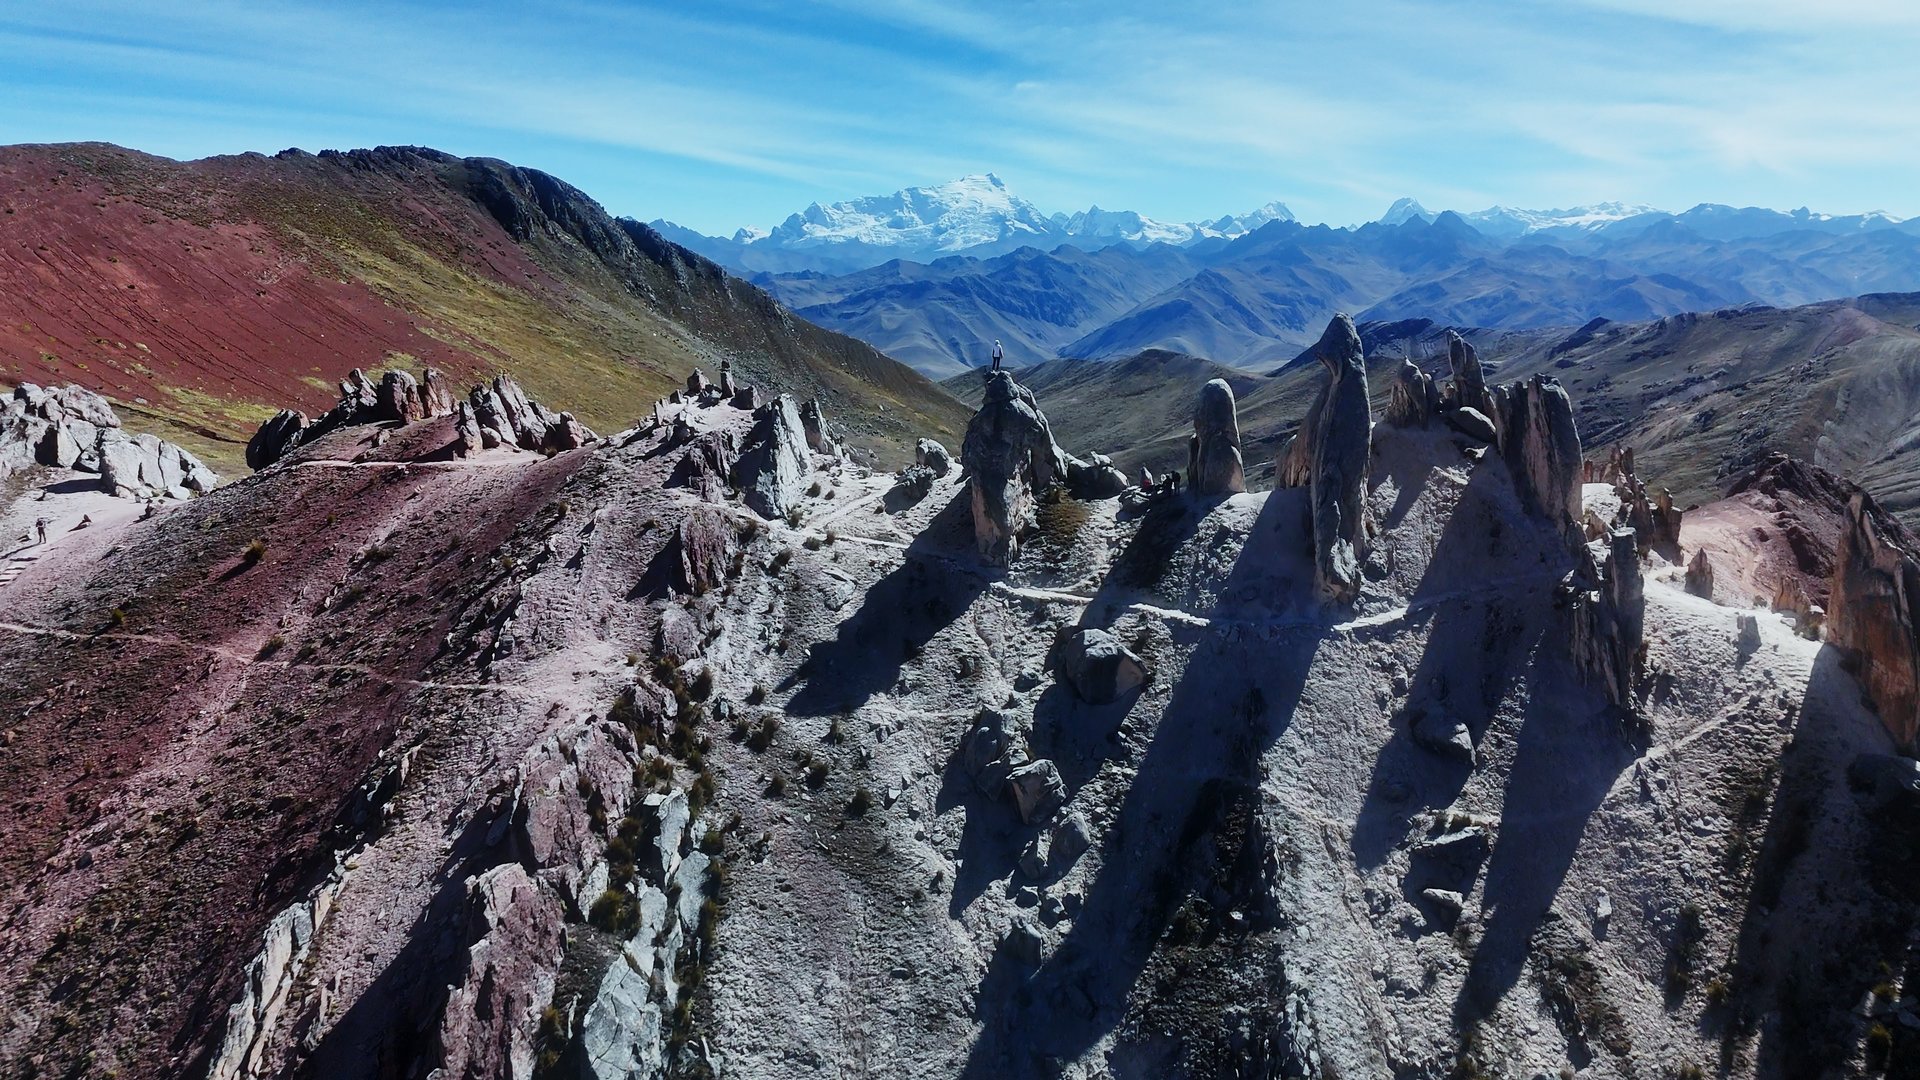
column 974, row 215
column 932, row 276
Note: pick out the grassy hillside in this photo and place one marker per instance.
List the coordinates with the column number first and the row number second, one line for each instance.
column 202, row 295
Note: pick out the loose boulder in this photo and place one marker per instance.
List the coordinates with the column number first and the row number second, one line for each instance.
column 1037, row 790
column 1097, row 666
column 1472, row 423
column 1095, row 478
column 933, row 456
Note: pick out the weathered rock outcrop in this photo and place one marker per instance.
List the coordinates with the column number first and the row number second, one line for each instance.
column 1541, row 445
column 1700, row 575
column 1095, row 478
column 991, row 750
column 702, row 545
column 814, row 422
column 1468, row 388
column 934, row 456
column 1653, row 518
column 1097, row 666
column 1414, row 399
column 71, row 428
column 1875, row 611
column 1213, row 450
column 1607, row 604
column 772, row 468
column 398, row 398
column 1008, row 455
column 706, row 465
column 147, row 465
column 491, row 1025
column 276, row 438
column 1330, row 455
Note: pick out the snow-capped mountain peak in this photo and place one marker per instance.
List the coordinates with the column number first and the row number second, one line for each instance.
column 960, row 214
column 1403, row 210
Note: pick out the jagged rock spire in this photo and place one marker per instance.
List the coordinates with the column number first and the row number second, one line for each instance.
column 1330, row 455
column 1468, row 390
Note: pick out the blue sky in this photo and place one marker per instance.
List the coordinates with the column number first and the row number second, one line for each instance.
column 734, row 112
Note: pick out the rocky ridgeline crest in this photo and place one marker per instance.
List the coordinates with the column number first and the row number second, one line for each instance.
column 494, row 414
column 1654, row 518
column 768, row 466
column 70, row 428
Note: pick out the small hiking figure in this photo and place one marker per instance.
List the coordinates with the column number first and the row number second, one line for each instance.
column 40, row 527
column 1146, row 479
column 1173, row 480
column 997, row 354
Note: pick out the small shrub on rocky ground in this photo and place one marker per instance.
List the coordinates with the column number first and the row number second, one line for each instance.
column 861, row 802
column 255, row 550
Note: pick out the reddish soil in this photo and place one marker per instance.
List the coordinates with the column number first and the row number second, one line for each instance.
column 117, row 294
column 146, row 839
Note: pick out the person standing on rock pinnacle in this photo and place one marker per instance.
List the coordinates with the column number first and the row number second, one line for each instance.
column 997, row 354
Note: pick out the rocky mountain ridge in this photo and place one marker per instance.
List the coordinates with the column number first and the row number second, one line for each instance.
column 699, row 749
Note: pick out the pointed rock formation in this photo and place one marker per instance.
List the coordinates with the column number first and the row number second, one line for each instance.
column 397, row 399
column 771, row 471
column 275, row 439
column 1213, row 451
column 1330, row 455
column 1874, row 610
column 1008, row 455
column 437, row 396
column 1700, row 575
column 1414, row 400
column 1608, row 607
column 1541, row 444
column 814, row 422
column 1468, row 390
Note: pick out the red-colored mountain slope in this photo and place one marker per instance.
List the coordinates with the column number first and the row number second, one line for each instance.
column 202, row 295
